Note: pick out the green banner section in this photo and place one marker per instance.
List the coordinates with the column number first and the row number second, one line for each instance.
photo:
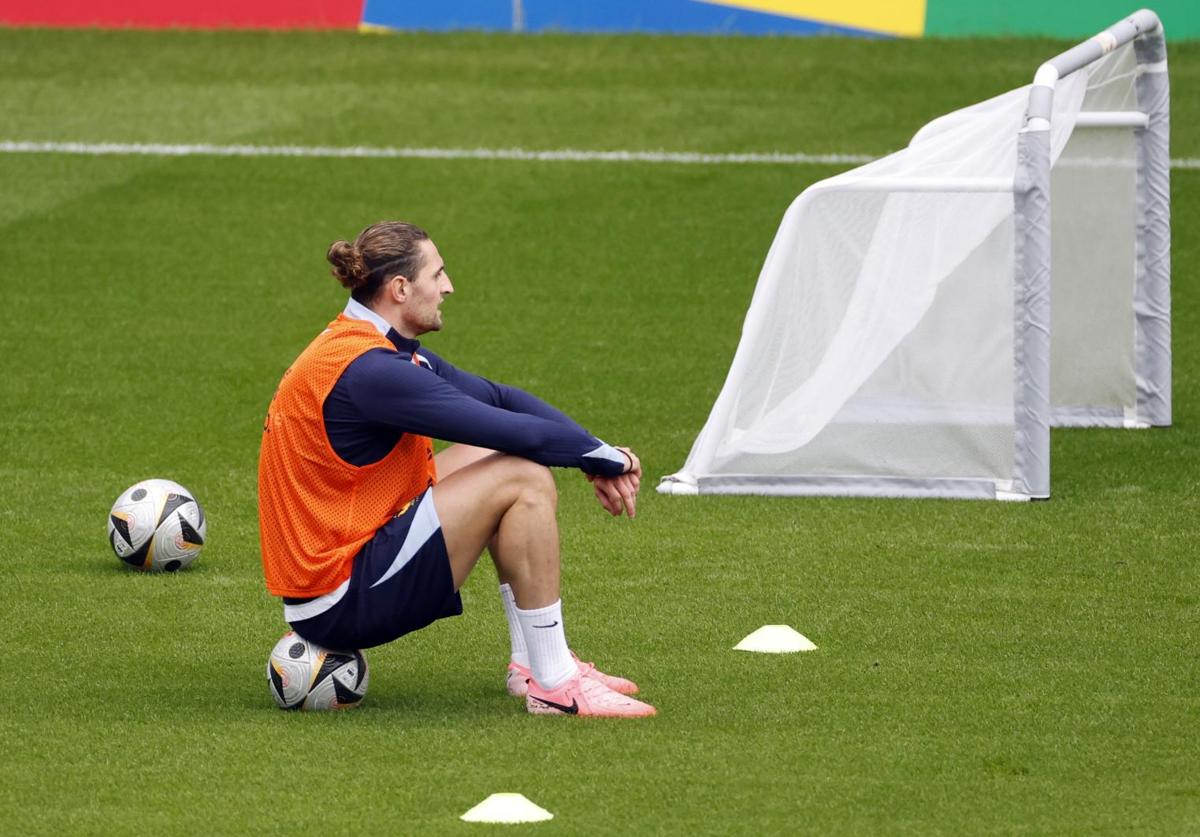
column 1181, row 18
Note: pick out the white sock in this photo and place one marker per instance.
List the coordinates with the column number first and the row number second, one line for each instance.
column 520, row 655
column 549, row 658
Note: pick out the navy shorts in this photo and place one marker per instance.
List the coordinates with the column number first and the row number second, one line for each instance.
column 400, row 582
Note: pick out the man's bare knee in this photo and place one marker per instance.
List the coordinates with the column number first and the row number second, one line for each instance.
column 535, row 484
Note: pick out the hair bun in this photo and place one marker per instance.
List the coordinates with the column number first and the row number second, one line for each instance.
column 348, row 265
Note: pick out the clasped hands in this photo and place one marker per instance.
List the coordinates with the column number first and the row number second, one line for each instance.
column 619, row 494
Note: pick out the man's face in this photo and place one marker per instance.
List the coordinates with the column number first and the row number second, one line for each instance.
column 421, row 312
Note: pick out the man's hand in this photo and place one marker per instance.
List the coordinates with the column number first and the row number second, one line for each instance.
column 619, row 494
column 635, row 465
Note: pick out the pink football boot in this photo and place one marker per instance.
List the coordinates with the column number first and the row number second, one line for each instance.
column 586, row 697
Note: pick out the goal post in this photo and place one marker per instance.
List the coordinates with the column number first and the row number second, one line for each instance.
column 922, row 321
column 1149, row 122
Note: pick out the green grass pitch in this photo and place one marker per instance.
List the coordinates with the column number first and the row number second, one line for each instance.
column 983, row 667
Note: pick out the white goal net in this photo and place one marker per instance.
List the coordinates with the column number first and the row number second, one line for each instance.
column 921, row 321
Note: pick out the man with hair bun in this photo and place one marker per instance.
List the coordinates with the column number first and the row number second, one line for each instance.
column 367, row 535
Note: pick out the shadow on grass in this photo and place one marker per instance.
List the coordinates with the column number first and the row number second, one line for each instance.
column 428, row 702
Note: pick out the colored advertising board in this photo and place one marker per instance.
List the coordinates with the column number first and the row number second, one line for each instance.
column 864, row 18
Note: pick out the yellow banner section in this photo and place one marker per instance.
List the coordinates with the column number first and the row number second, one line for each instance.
column 892, row 17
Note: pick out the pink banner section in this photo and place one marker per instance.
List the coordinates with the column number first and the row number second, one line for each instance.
column 190, row 14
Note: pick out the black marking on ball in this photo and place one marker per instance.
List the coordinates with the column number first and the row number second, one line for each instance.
column 277, row 688
column 332, row 662
column 362, row 668
column 139, row 494
column 173, row 565
column 138, row 558
column 189, row 534
column 296, row 651
column 344, row 695
column 276, row 681
column 173, row 502
column 122, row 526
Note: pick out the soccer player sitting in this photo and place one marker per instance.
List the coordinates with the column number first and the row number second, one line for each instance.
column 368, row 536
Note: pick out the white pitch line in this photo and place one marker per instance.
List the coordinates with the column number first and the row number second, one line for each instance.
column 554, row 155
column 574, row 155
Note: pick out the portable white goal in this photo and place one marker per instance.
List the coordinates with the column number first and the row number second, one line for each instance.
column 920, row 322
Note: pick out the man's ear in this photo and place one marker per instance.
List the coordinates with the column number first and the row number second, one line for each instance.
column 398, row 288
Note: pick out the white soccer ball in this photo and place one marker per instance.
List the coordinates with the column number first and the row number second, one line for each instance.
column 157, row 525
column 303, row 675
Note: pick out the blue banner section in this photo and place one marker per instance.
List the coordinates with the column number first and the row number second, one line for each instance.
column 678, row 16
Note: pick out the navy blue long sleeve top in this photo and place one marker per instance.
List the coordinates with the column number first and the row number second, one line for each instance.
column 383, row 394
